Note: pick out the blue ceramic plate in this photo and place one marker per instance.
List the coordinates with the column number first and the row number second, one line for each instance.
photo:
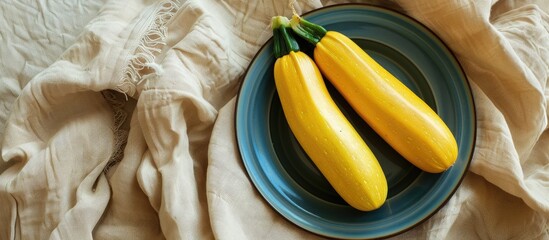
column 293, row 186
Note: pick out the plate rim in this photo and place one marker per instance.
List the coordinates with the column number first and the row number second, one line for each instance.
column 460, row 70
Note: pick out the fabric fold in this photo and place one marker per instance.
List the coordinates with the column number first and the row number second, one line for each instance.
column 48, row 136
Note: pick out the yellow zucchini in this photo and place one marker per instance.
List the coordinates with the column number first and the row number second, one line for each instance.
column 396, row 113
column 322, row 130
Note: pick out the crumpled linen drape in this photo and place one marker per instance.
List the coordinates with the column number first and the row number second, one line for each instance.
column 117, row 119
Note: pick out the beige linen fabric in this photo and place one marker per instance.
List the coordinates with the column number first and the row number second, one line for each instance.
column 118, row 119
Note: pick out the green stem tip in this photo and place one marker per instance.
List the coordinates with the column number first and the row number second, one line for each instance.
column 284, row 42
column 307, row 30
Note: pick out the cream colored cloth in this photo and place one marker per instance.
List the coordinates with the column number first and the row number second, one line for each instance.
column 118, row 119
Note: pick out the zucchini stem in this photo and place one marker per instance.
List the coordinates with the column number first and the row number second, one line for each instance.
column 307, row 30
column 284, row 42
